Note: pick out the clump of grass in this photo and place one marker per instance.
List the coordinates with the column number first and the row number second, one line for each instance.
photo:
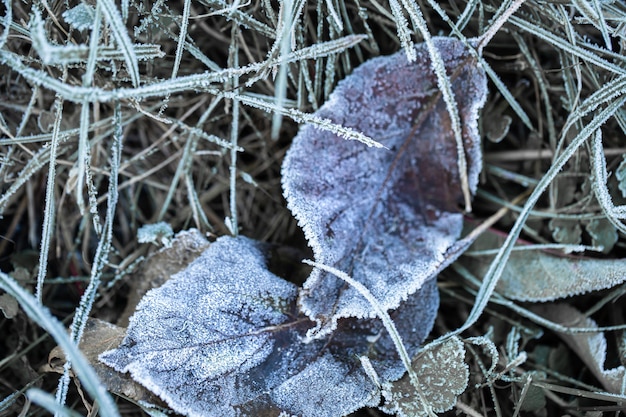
column 116, row 116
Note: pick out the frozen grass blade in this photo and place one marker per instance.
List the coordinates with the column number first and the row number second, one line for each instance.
column 8, row 17
column 301, row 117
column 515, row 106
column 280, row 89
column 185, row 163
column 592, row 11
column 48, row 402
column 102, row 252
column 43, row 318
column 119, row 32
column 49, row 210
column 404, row 33
column 84, row 154
column 598, row 184
column 240, row 18
column 53, row 54
column 543, row 88
column 504, row 14
column 233, row 61
column 560, row 43
column 180, row 47
column 448, row 96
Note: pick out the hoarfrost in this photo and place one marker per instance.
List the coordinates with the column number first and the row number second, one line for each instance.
column 384, row 212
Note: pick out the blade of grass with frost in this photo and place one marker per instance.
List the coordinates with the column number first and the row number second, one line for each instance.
column 543, row 88
column 335, row 16
column 241, row 18
column 8, row 17
column 387, row 322
column 47, row 401
column 52, row 54
column 504, row 14
column 598, row 184
column 185, row 164
column 201, row 82
column 464, row 18
column 49, row 213
column 515, row 106
column 503, row 89
column 233, row 61
column 593, row 13
column 102, row 253
column 301, row 117
column 404, row 33
column 455, row 29
column 41, row 315
column 499, row 262
column 32, row 167
column 84, row 154
column 609, row 91
column 184, row 24
column 27, row 112
column 280, row 90
column 119, row 32
column 585, row 55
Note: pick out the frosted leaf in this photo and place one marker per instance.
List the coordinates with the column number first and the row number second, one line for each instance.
column 223, row 338
column 532, row 275
column 8, row 306
column 384, row 216
column 603, row 234
column 443, row 376
column 157, row 233
column 80, row 17
column 565, row 231
column 590, row 347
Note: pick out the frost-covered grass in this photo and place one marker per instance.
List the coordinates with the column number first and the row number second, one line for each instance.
column 116, row 115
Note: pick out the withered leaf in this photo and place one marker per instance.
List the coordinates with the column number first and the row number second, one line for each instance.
column 384, row 216
column 443, row 376
column 532, row 275
column 223, row 337
column 591, row 348
column 98, row 337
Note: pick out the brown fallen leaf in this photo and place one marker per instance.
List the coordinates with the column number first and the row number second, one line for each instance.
column 8, row 306
column 98, row 337
column 160, row 266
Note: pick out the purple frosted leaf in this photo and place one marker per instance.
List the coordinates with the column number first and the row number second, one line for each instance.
column 384, row 216
column 223, row 338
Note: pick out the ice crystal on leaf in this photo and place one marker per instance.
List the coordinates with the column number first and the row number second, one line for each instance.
column 224, row 338
column 384, row 216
